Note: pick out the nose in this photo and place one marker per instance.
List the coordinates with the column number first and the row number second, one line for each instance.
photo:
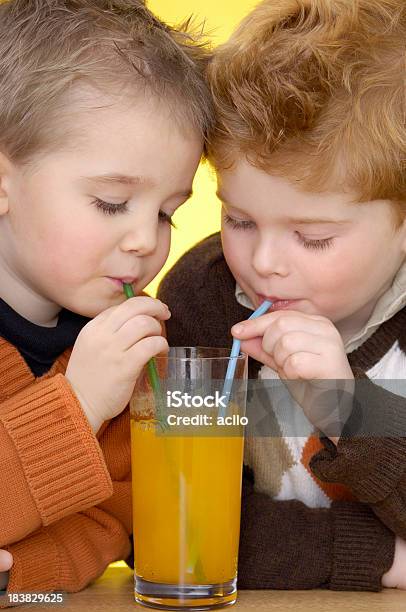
column 142, row 238
column 268, row 258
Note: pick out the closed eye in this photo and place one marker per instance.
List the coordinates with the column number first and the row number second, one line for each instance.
column 238, row 223
column 325, row 243
column 113, row 209
column 110, row 209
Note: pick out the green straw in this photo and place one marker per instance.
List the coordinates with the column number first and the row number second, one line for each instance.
column 194, row 563
column 152, row 371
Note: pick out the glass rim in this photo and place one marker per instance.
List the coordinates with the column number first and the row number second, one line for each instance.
column 242, row 356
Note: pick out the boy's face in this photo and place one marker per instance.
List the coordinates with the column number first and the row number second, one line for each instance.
column 71, row 226
column 337, row 269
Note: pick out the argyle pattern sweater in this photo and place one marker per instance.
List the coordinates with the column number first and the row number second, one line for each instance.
column 300, row 493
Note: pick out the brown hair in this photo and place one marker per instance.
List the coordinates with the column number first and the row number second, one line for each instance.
column 314, row 90
column 47, row 47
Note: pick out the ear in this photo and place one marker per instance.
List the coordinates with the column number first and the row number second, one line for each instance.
column 5, row 173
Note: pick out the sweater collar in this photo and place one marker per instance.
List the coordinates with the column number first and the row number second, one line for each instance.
column 39, row 345
column 389, row 304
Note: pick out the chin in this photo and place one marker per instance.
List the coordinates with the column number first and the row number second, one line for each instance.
column 92, row 310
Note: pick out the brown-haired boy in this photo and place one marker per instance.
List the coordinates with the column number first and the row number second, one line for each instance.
column 309, row 150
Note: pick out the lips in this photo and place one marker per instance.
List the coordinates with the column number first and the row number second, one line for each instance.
column 277, row 302
column 275, row 298
column 126, row 279
column 118, row 282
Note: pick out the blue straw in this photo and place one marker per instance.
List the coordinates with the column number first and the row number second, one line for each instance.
column 235, row 352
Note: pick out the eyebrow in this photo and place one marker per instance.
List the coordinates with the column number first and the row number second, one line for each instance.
column 299, row 220
column 122, row 179
column 310, row 220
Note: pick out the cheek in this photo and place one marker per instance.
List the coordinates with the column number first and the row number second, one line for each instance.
column 329, row 274
column 236, row 251
column 65, row 231
column 346, row 264
column 336, row 283
column 155, row 262
column 163, row 248
column 76, row 249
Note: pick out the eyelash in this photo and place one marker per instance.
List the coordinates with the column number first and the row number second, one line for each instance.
column 113, row 209
column 315, row 244
column 308, row 244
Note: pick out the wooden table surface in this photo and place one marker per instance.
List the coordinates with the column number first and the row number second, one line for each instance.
column 114, row 591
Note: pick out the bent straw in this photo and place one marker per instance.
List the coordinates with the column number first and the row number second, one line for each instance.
column 235, row 352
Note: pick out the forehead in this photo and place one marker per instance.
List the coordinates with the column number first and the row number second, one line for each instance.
column 85, row 112
column 126, row 116
column 136, row 136
column 251, row 189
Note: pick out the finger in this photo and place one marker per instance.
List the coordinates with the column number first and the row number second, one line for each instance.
column 138, row 328
column 254, row 349
column 6, row 561
column 282, row 321
column 145, row 349
column 294, row 342
column 302, row 366
column 133, row 307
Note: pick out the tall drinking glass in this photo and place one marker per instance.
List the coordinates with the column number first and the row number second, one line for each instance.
column 187, row 451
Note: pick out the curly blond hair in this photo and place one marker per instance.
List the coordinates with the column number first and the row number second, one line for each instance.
column 49, row 47
column 314, row 90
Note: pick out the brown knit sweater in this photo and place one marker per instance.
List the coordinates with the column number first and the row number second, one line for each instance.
column 285, row 544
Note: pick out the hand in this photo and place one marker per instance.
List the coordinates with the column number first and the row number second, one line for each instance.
column 308, row 354
column 395, row 578
column 6, row 563
column 110, row 352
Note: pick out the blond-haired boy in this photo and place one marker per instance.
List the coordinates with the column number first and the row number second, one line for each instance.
column 103, row 115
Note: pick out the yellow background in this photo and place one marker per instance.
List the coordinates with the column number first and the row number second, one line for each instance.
column 200, row 216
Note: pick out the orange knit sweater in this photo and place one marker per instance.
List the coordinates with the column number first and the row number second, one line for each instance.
column 65, row 512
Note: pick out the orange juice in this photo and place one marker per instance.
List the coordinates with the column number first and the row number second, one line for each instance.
column 186, row 504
